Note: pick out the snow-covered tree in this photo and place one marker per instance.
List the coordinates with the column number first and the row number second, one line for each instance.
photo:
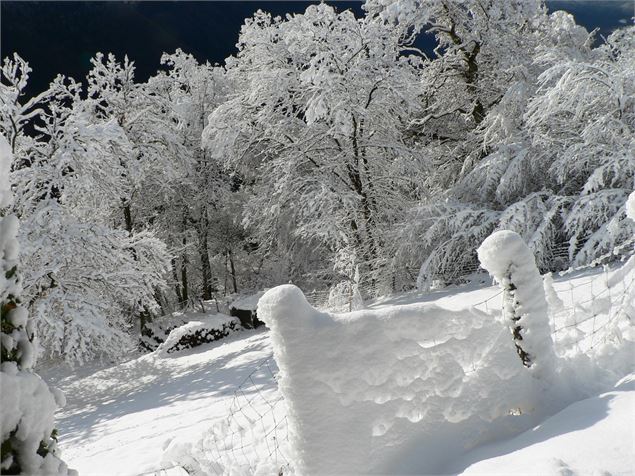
column 582, row 121
column 28, row 438
column 191, row 91
column 82, row 277
column 317, row 127
column 544, row 159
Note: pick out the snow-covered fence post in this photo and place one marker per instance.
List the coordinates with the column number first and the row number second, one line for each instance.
column 505, row 255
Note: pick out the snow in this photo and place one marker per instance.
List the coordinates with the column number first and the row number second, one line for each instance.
column 212, row 327
column 155, row 414
column 248, row 303
column 506, row 256
column 29, row 406
column 118, row 420
column 592, row 436
column 630, row 206
column 6, row 196
column 392, row 386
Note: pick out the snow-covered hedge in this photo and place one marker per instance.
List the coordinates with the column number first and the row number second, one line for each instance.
column 209, row 329
column 381, row 391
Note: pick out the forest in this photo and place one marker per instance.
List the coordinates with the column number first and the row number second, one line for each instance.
column 329, row 152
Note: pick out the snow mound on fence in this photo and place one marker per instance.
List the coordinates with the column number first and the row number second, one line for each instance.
column 384, row 391
column 194, row 333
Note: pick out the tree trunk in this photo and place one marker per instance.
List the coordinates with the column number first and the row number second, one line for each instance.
column 184, row 262
column 177, row 284
column 206, row 269
column 233, row 270
column 127, row 214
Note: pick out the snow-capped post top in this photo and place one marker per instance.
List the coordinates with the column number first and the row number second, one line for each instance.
column 502, row 249
column 505, row 255
column 5, row 167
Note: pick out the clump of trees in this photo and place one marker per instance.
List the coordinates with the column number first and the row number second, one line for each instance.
column 329, row 151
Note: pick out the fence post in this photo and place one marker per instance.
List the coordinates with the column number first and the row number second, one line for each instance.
column 505, row 256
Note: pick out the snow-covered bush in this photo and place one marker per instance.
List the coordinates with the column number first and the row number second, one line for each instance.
column 28, row 437
column 505, row 256
column 194, row 333
column 380, row 391
column 156, row 332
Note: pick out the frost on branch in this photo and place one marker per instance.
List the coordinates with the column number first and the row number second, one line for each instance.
column 505, row 255
column 630, row 206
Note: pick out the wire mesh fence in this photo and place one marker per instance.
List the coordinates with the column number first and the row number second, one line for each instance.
column 254, row 434
column 591, row 310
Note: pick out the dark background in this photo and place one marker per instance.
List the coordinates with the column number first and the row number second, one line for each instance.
column 61, row 37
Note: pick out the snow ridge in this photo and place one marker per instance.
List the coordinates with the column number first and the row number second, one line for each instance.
column 381, row 391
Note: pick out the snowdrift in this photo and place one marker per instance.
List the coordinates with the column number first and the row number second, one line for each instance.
column 384, row 391
column 403, row 389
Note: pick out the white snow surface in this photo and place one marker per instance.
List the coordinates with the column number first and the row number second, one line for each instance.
column 249, row 303
column 118, row 420
column 154, row 414
column 589, row 437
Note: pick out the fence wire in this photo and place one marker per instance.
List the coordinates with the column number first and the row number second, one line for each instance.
column 255, row 431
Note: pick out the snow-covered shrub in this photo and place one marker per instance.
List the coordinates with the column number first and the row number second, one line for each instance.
column 505, row 255
column 156, row 332
column 381, row 391
column 28, row 438
column 195, row 333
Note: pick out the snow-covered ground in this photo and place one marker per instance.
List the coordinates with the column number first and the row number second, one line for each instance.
column 223, row 396
column 117, row 420
column 595, row 436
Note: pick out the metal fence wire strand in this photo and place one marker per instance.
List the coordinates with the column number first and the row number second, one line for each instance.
column 590, row 320
column 252, row 433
